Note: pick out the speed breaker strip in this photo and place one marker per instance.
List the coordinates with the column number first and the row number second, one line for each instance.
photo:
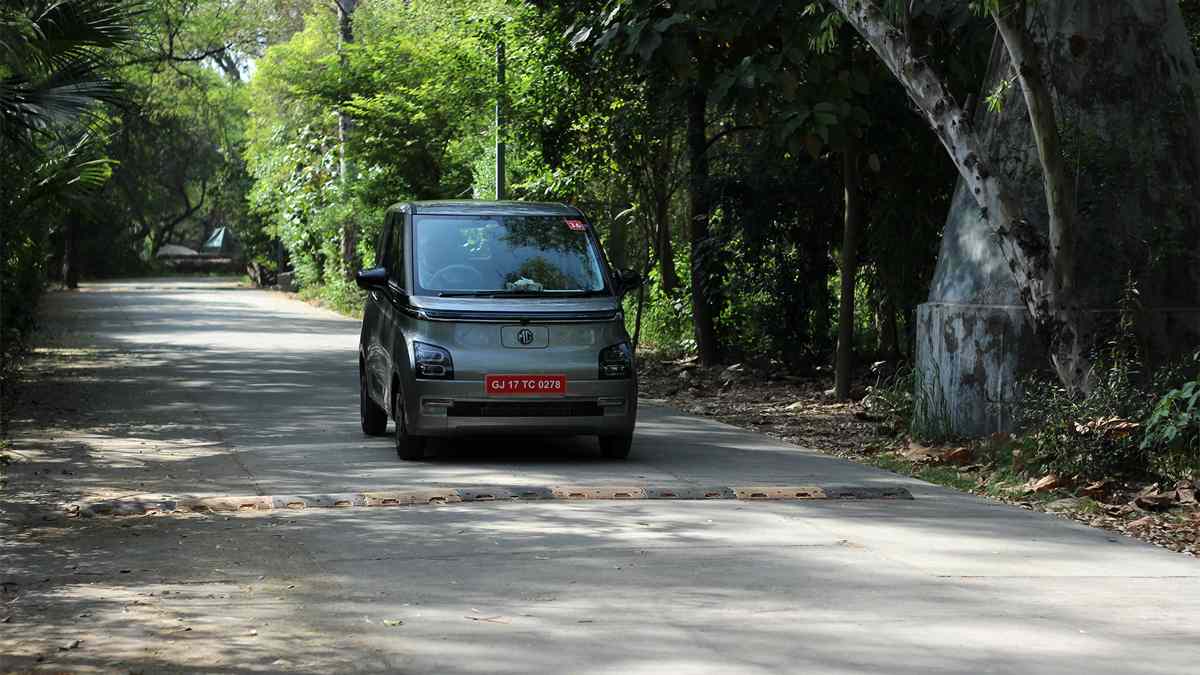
column 441, row 496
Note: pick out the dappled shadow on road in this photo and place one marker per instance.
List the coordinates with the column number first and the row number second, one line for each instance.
column 668, row 586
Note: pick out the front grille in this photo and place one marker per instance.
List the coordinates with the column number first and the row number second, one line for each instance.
column 524, row 409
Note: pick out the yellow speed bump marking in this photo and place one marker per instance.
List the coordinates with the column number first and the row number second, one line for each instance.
column 442, row 496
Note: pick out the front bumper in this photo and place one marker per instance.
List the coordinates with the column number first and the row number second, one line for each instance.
column 460, row 408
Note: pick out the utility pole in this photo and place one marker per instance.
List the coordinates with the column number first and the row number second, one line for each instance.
column 500, row 120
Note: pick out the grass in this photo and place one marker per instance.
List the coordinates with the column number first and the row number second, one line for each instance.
column 344, row 299
column 948, row 476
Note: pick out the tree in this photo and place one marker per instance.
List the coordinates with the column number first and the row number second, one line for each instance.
column 1042, row 265
column 53, row 59
column 346, row 173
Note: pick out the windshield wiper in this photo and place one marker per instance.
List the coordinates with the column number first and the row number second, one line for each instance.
column 517, row 293
column 466, row 294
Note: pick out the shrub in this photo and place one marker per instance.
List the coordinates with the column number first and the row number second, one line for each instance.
column 1172, row 431
column 1092, row 436
column 891, row 396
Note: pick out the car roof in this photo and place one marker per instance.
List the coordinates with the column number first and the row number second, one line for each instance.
column 481, row 207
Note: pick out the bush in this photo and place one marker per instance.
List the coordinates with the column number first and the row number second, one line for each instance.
column 666, row 318
column 1172, row 431
column 1092, row 436
column 891, row 396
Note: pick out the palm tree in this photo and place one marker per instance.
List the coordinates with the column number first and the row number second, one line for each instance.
column 54, row 71
column 53, row 61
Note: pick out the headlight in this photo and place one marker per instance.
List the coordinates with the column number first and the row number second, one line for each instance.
column 432, row 362
column 616, row 362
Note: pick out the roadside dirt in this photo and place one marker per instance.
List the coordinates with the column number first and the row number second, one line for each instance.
column 798, row 410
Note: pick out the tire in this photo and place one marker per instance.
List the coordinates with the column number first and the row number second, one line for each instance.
column 408, row 447
column 616, row 447
column 372, row 416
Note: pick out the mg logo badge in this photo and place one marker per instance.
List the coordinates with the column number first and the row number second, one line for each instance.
column 525, row 336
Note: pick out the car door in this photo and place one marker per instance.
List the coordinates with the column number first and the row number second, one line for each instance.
column 394, row 300
column 375, row 321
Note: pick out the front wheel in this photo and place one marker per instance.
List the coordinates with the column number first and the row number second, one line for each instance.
column 616, row 447
column 371, row 415
column 408, row 447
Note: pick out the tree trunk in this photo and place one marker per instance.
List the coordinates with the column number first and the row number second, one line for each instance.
column 70, row 267
column 1060, row 199
column 1123, row 82
column 698, row 215
column 843, row 370
column 349, row 243
column 1024, row 246
column 664, row 245
column 885, row 326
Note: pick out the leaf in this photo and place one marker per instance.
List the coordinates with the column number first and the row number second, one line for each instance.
column 860, row 83
column 814, row 146
column 649, row 43
column 873, row 162
column 788, row 85
column 393, row 622
column 663, row 25
column 793, row 123
column 608, row 36
column 581, row 36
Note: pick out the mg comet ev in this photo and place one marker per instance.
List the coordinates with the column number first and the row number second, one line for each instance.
column 494, row 318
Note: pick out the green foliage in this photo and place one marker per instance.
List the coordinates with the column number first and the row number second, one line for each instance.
column 1087, row 436
column 1172, row 431
column 890, row 397
column 52, row 63
column 666, row 317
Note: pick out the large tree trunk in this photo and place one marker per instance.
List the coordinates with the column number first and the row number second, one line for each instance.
column 1085, row 176
column 699, row 206
column 1025, row 247
column 349, row 243
column 843, row 370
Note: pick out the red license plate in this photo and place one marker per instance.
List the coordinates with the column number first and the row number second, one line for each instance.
column 525, row 385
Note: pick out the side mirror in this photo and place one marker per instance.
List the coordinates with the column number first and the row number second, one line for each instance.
column 629, row 280
column 372, row 279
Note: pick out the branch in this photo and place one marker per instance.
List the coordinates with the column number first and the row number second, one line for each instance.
column 1056, row 180
column 189, row 208
column 169, row 56
column 727, row 131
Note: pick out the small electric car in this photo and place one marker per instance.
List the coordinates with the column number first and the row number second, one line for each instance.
column 488, row 318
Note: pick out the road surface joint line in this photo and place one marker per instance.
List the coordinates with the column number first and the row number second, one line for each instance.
column 442, row 496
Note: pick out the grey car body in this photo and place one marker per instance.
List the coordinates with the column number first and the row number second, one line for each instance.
column 503, row 336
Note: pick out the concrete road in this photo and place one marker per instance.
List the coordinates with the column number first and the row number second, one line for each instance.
column 177, row 388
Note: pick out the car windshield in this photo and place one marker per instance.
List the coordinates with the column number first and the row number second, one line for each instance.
column 505, row 255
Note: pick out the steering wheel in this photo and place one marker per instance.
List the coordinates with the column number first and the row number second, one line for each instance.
column 472, row 272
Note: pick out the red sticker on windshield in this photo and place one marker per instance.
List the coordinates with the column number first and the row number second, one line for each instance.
column 577, row 225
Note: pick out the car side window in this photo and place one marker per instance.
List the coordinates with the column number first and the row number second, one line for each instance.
column 383, row 243
column 396, row 261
